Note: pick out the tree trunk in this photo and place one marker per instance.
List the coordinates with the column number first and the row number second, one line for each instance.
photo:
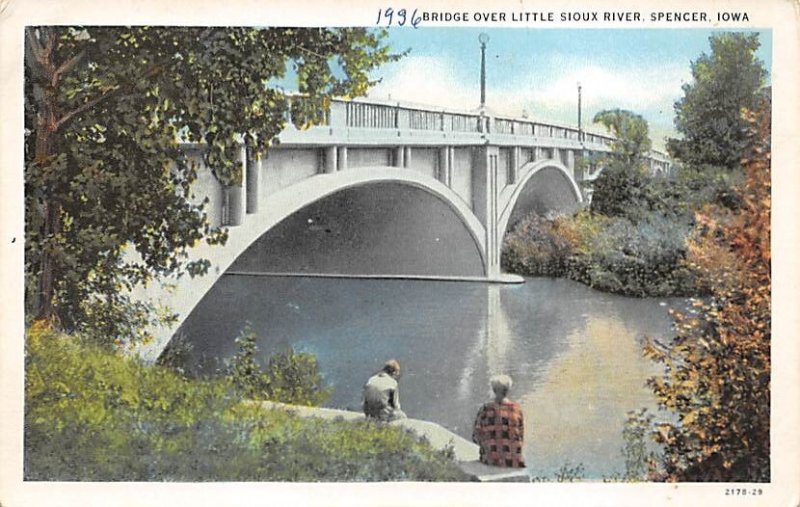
column 39, row 57
column 51, row 224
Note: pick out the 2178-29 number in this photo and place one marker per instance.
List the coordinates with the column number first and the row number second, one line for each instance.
column 743, row 492
column 399, row 17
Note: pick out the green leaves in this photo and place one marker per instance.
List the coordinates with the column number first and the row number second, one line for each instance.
column 95, row 415
column 632, row 141
column 709, row 115
column 105, row 109
column 288, row 377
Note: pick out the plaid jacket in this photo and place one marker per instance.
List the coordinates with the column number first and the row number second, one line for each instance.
column 499, row 429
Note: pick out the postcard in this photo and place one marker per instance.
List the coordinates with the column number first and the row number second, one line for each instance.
column 443, row 253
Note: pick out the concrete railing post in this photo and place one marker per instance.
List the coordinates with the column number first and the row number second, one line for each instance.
column 338, row 115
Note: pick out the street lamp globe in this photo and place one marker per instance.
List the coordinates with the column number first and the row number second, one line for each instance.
column 483, row 38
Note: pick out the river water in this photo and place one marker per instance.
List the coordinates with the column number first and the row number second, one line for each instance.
column 574, row 353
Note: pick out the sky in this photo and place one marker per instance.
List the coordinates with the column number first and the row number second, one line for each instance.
column 538, row 70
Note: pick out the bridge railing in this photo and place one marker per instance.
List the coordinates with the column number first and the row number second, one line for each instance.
column 365, row 115
column 376, row 114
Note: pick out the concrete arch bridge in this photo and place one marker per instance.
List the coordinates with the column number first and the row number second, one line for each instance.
column 383, row 190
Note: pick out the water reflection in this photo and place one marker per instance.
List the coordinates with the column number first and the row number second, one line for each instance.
column 576, row 413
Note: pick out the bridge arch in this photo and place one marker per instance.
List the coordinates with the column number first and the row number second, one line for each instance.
column 183, row 294
column 556, row 174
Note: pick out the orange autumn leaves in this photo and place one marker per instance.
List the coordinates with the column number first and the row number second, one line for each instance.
column 717, row 376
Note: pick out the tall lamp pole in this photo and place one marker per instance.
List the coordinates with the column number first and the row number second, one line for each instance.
column 483, row 39
column 580, row 127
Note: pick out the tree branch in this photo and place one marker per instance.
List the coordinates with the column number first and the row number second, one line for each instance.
column 36, row 48
column 66, row 67
column 85, row 107
column 153, row 71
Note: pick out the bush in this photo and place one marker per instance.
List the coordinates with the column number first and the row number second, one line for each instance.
column 621, row 190
column 289, row 377
column 613, row 254
column 535, row 248
column 718, row 366
column 94, row 415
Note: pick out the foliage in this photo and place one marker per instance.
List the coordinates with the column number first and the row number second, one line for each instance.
column 108, row 191
column 623, row 188
column 696, row 186
column 567, row 472
column 717, row 377
column 640, row 460
column 177, row 355
column 613, row 254
column 708, row 116
column 535, row 247
column 631, row 135
column 289, row 377
column 94, row 415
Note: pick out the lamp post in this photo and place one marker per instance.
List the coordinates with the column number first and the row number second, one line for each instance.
column 580, row 128
column 483, row 39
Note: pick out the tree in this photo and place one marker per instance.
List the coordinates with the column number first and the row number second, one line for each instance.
column 632, row 136
column 104, row 109
column 717, row 377
column 709, row 115
column 621, row 189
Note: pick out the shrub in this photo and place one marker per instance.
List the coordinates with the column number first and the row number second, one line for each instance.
column 718, row 366
column 613, row 254
column 289, row 377
column 94, row 415
column 535, row 248
column 621, row 190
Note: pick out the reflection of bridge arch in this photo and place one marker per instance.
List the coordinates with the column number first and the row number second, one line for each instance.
column 187, row 292
column 532, row 170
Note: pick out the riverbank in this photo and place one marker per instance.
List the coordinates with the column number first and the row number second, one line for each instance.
column 112, row 418
column 642, row 258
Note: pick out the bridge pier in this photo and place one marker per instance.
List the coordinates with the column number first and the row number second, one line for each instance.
column 330, row 160
column 513, row 174
column 445, row 166
column 407, row 157
column 252, row 175
column 484, row 203
column 233, row 196
column 342, row 157
column 399, row 156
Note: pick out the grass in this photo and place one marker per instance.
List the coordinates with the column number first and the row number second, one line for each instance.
column 92, row 414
